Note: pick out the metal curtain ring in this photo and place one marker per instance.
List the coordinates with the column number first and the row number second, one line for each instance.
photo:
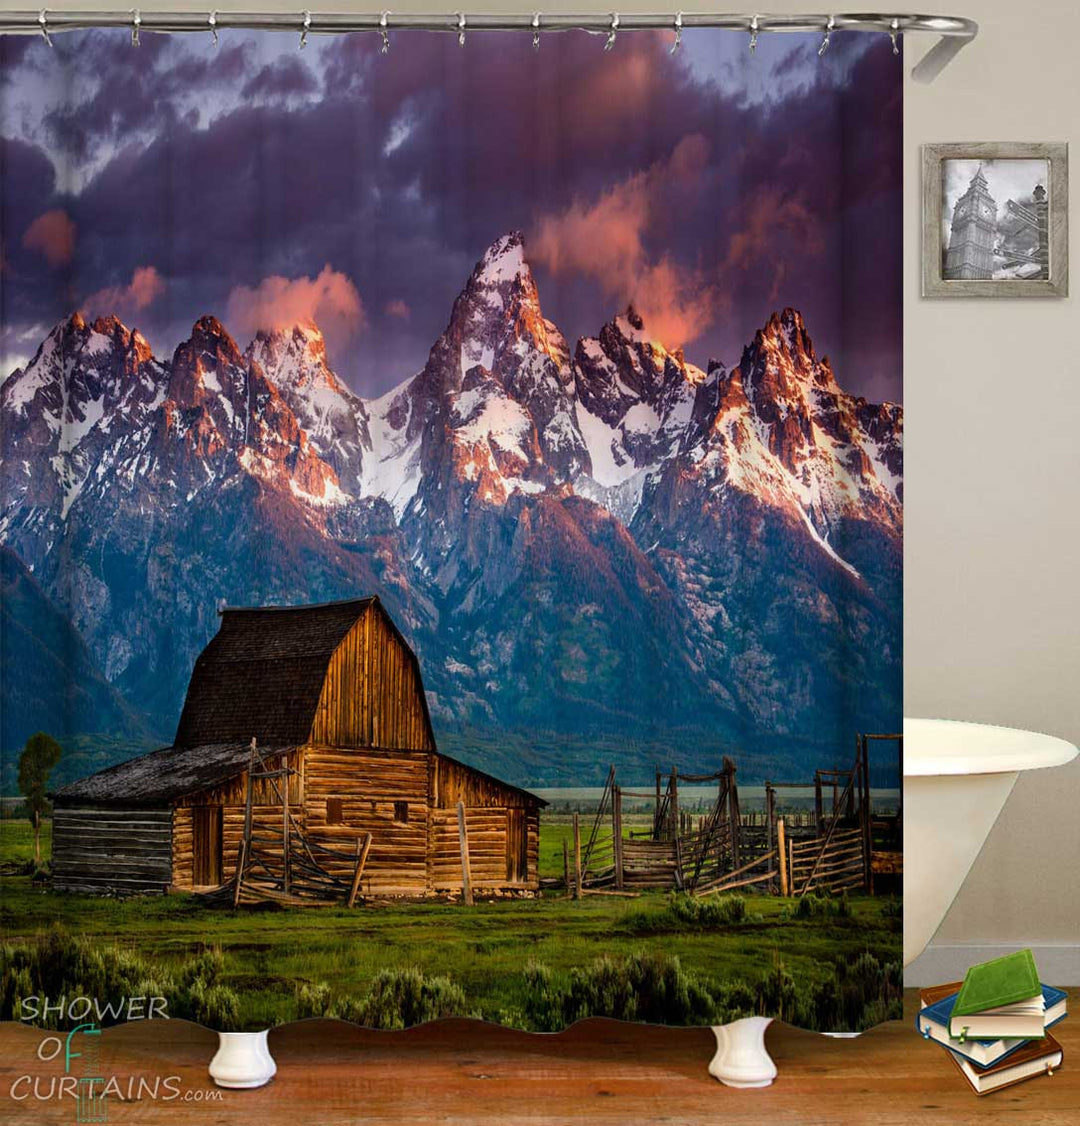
column 613, row 32
column 536, row 31
column 384, row 20
column 753, row 34
column 136, row 22
column 678, row 33
column 306, row 27
column 461, row 29
column 829, row 27
column 43, row 19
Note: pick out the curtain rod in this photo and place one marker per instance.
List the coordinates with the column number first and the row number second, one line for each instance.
column 955, row 31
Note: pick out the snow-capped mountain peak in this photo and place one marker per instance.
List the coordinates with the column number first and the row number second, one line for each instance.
column 504, row 261
column 335, row 419
column 547, row 510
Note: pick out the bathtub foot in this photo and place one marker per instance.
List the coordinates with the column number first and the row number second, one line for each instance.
column 741, row 1059
column 243, row 1060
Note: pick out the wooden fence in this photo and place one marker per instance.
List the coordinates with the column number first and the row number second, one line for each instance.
column 837, row 863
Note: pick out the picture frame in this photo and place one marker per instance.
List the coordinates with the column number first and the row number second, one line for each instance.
column 975, row 244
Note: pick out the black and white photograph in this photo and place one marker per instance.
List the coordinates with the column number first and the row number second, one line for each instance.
column 995, row 220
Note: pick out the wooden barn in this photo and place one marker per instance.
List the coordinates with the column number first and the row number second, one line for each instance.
column 333, row 697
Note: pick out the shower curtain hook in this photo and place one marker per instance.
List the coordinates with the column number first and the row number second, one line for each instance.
column 43, row 19
column 613, row 32
column 893, row 33
column 461, row 29
column 306, row 27
column 384, row 19
column 212, row 21
column 678, row 33
column 136, row 20
column 829, row 27
column 753, row 34
column 536, row 31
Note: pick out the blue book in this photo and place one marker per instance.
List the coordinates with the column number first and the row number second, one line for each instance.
column 932, row 1023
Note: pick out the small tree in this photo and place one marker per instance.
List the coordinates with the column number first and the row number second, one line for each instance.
column 41, row 753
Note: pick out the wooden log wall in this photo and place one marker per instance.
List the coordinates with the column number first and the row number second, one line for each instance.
column 487, row 832
column 112, row 850
column 453, row 782
column 265, row 821
column 182, row 846
column 372, row 695
column 234, row 791
column 649, row 864
column 370, row 783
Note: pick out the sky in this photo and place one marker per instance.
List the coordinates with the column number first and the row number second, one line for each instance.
column 267, row 184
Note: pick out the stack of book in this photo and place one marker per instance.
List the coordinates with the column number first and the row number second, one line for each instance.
column 995, row 1023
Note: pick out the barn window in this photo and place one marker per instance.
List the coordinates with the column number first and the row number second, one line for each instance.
column 335, row 814
column 401, row 811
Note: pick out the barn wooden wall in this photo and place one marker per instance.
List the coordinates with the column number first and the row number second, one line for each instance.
column 487, row 831
column 232, row 796
column 372, row 696
column 454, row 782
column 266, row 820
column 369, row 782
column 98, row 850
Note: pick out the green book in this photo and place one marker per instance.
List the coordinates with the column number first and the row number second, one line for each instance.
column 1004, row 988
column 1001, row 981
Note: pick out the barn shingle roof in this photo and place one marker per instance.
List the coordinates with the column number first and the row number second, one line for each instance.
column 262, row 674
column 162, row 776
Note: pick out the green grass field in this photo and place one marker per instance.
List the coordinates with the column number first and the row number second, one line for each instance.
column 485, row 949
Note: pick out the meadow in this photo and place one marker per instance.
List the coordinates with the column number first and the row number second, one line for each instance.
column 502, row 960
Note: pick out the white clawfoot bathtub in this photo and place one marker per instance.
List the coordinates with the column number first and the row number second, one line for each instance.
column 956, row 779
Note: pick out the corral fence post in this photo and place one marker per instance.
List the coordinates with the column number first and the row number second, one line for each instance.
column 466, row 871
column 616, row 828
column 781, row 856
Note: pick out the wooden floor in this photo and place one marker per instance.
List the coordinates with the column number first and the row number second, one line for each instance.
column 598, row 1072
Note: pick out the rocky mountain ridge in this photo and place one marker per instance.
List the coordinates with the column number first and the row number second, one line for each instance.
column 605, row 538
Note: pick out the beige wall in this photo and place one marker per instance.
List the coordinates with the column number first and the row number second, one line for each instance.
column 993, row 467
column 992, row 502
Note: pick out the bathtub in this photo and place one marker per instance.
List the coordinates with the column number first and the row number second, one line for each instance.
column 957, row 777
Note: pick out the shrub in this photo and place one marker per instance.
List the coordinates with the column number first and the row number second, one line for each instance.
column 734, row 1000
column 642, row 987
column 716, row 911
column 687, row 912
column 777, row 995
column 55, row 964
column 815, row 906
column 394, row 999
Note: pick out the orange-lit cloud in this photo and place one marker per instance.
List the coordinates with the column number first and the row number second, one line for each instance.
column 768, row 213
column 605, row 239
column 145, row 287
column 330, row 301
column 397, row 308
column 52, row 235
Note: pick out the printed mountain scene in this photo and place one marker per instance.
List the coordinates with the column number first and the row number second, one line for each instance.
column 530, row 492
column 600, row 543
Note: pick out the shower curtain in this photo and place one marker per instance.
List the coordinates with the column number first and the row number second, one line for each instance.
column 460, row 487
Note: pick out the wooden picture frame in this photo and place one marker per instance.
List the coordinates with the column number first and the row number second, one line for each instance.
column 1010, row 247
